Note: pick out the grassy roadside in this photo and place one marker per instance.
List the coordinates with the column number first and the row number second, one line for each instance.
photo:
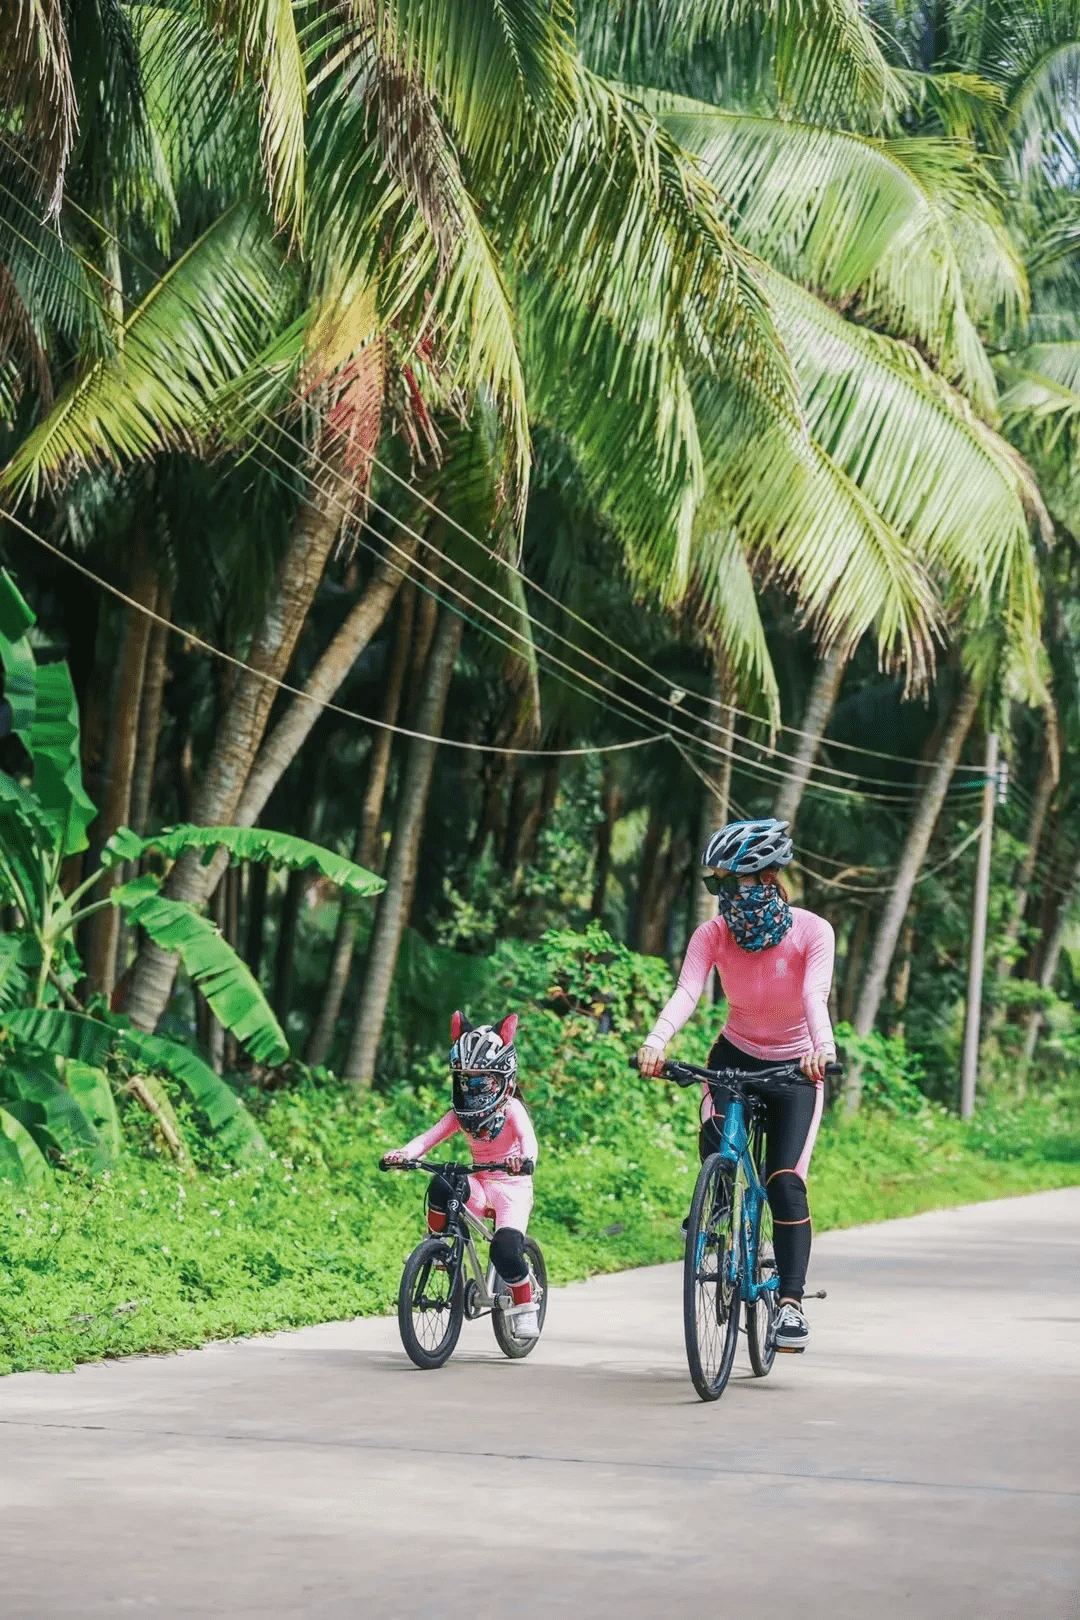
column 148, row 1259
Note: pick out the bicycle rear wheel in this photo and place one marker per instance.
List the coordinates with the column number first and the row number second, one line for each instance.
column 508, row 1341
column 711, row 1276
column 761, row 1316
column 430, row 1304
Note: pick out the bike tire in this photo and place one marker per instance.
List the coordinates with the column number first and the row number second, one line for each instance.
column 508, row 1341
column 430, row 1304
column 761, row 1316
column 711, row 1282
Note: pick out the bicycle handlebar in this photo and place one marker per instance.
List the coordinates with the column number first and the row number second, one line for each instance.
column 450, row 1167
column 689, row 1074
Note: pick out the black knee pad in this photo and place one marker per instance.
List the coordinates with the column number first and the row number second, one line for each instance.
column 787, row 1196
column 508, row 1254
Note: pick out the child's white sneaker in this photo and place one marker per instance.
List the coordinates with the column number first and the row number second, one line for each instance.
column 525, row 1320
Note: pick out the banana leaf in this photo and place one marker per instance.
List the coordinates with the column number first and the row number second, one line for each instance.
column 51, row 1113
column 229, row 1119
column 17, row 657
column 64, row 1034
column 54, row 744
column 245, row 844
column 91, row 1089
column 75, row 1035
column 21, row 1161
column 16, row 616
column 13, row 979
column 25, row 840
column 223, row 977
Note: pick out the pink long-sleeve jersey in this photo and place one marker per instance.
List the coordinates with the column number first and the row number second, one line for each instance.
column 777, row 998
column 517, row 1132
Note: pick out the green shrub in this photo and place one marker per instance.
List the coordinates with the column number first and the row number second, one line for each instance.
column 146, row 1258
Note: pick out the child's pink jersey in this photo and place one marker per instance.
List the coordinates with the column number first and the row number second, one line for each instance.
column 509, row 1196
column 777, row 998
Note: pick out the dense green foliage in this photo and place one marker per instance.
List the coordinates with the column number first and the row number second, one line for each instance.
column 148, row 1257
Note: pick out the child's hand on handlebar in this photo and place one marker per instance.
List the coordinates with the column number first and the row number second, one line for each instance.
column 397, row 1156
column 514, row 1161
column 649, row 1060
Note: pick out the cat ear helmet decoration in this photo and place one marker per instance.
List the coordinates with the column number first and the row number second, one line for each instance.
column 483, row 1063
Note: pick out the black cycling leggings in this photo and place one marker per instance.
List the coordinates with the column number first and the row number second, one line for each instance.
column 790, row 1110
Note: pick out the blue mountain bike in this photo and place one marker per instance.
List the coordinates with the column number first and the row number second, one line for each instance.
column 729, row 1260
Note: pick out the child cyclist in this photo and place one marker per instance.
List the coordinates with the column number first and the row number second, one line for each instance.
column 495, row 1123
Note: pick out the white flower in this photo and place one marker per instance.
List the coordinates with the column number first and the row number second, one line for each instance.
column 164, row 1248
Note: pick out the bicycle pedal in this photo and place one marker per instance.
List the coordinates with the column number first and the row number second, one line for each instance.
column 790, row 1349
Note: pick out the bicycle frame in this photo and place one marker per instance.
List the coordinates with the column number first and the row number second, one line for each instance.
column 462, row 1229
column 735, row 1150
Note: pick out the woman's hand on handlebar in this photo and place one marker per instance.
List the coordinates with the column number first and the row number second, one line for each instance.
column 814, row 1064
column 650, row 1061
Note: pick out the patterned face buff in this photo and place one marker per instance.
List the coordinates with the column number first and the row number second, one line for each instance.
column 757, row 916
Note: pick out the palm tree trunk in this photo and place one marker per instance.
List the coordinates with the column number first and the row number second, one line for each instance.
column 610, row 805
column 153, row 693
column 142, row 780
column 824, row 691
column 292, row 730
column 123, row 743
column 648, row 884
column 331, row 490
column 715, row 807
column 366, row 849
column 1040, row 805
column 1048, row 970
column 396, row 900
column 256, row 916
column 915, row 847
column 853, row 964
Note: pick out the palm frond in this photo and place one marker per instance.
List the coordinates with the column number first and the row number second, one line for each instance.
column 499, row 70
column 904, row 230
column 194, row 332
column 961, row 496
column 263, row 35
column 36, row 85
column 390, row 210
column 825, row 53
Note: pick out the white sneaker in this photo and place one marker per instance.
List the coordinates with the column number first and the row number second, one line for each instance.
column 792, row 1329
column 525, row 1321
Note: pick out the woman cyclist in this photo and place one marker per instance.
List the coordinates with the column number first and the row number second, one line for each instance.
column 775, row 963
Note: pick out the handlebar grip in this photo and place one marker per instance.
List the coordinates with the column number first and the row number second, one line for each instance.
column 834, row 1068
column 633, row 1061
column 527, row 1167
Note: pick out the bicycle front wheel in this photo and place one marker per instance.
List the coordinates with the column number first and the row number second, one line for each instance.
column 761, row 1316
column 508, row 1341
column 711, row 1276
column 430, row 1304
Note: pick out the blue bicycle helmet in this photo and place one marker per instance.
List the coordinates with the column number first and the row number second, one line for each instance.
column 749, row 846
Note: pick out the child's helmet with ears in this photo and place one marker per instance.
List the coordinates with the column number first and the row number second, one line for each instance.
column 483, row 1063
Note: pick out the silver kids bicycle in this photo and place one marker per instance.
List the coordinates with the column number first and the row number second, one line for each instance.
column 436, row 1295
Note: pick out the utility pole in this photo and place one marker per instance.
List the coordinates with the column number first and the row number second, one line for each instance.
column 991, row 788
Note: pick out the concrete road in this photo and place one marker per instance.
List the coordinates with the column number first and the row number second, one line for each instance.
column 922, row 1459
